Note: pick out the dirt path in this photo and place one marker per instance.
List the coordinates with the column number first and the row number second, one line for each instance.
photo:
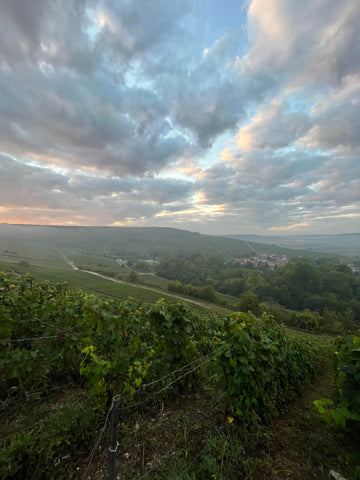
column 152, row 289
column 144, row 287
column 302, row 446
column 67, row 260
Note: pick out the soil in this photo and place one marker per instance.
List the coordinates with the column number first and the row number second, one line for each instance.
column 302, row 445
column 297, row 446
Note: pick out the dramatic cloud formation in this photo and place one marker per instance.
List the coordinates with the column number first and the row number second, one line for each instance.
column 220, row 117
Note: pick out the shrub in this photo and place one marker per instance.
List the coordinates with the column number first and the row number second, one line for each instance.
column 48, row 452
column 262, row 367
column 344, row 409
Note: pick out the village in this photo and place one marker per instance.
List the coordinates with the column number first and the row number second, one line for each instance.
column 264, row 261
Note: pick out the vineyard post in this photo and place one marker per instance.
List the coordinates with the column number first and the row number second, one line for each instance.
column 114, row 444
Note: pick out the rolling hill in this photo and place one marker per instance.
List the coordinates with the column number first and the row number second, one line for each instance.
column 136, row 242
column 340, row 244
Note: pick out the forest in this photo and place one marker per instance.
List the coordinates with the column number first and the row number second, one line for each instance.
column 325, row 292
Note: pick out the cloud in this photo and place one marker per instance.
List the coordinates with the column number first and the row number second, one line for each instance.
column 274, row 126
column 305, row 43
column 79, row 194
column 336, row 120
column 114, row 111
column 282, row 189
column 66, row 95
column 122, row 135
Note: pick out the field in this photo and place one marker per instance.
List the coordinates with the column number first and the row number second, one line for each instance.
column 47, row 263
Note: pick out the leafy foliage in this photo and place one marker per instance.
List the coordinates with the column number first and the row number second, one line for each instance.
column 330, row 292
column 53, row 335
column 262, row 367
column 47, row 451
column 344, row 410
column 50, row 333
column 206, row 292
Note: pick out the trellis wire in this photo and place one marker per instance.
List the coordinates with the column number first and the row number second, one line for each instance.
column 209, row 357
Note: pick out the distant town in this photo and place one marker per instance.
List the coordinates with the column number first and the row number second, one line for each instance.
column 263, row 260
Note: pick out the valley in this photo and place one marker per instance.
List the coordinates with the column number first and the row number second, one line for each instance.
column 208, row 353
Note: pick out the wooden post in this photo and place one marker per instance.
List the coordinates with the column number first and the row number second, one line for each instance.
column 114, row 444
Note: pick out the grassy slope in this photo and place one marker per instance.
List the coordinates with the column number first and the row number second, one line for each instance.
column 47, row 264
column 301, row 445
column 144, row 242
column 121, row 241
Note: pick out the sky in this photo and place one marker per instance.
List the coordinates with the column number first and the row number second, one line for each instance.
column 215, row 116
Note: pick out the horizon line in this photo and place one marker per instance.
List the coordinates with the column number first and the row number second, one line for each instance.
column 181, row 229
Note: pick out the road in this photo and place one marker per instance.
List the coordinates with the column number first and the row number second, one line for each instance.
column 144, row 287
column 67, row 260
column 251, row 248
column 152, row 289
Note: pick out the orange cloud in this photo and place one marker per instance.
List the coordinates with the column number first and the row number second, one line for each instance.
column 289, row 227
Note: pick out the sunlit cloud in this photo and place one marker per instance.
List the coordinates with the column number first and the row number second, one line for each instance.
column 222, row 117
column 288, row 228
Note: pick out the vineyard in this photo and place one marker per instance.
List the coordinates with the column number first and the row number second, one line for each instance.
column 66, row 357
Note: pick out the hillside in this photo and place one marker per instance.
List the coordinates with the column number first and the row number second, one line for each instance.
column 340, row 244
column 124, row 241
column 145, row 242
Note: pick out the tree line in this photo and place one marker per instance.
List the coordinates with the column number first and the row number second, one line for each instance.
column 324, row 292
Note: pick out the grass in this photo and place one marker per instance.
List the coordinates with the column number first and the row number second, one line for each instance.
column 155, row 281
column 302, row 446
column 314, row 337
column 99, row 263
column 190, row 438
column 47, row 435
column 45, row 263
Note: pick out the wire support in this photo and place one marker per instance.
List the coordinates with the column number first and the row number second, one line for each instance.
column 6, row 403
column 31, row 339
column 18, row 433
column 98, row 440
column 153, row 395
column 117, row 397
column 168, row 375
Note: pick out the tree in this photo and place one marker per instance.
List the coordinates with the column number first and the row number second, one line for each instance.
column 207, row 293
column 133, row 277
column 254, row 280
column 249, row 302
column 232, row 286
column 307, row 320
